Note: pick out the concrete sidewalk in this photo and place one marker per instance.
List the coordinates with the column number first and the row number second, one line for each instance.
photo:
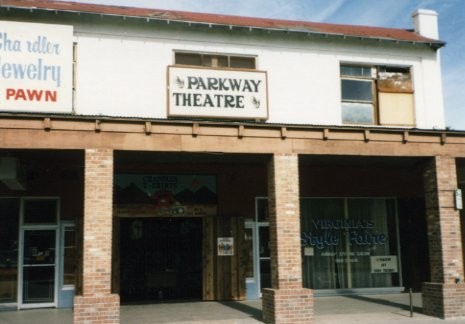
column 367, row 309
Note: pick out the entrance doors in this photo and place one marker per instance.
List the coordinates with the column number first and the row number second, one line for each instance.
column 39, row 267
column 30, row 261
column 161, row 259
column 37, row 253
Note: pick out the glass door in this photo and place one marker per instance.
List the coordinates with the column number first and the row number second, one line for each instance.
column 38, row 267
column 38, row 253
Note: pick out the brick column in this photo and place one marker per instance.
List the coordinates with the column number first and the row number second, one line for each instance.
column 97, row 304
column 444, row 296
column 287, row 301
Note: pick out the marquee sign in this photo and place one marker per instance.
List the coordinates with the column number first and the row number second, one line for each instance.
column 217, row 93
column 36, row 67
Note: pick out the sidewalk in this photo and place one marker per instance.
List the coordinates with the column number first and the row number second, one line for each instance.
column 367, row 309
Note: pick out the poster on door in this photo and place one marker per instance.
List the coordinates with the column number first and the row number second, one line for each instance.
column 225, row 246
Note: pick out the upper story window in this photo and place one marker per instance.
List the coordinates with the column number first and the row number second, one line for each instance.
column 377, row 95
column 215, row 60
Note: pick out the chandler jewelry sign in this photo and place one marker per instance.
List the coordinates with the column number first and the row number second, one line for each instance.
column 36, row 67
column 200, row 92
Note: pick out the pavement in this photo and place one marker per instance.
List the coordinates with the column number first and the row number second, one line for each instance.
column 365, row 309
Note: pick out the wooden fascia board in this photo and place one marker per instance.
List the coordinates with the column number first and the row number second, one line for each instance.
column 77, row 133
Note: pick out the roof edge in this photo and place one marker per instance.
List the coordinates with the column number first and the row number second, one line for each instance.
column 292, row 26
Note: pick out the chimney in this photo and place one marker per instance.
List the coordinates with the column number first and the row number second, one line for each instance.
column 426, row 23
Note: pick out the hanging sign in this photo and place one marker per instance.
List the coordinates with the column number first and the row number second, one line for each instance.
column 217, row 93
column 36, row 67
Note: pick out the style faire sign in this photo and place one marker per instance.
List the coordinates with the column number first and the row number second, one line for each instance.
column 217, row 93
column 36, row 67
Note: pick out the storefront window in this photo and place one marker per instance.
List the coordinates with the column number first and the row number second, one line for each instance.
column 264, row 253
column 69, row 256
column 349, row 243
column 9, row 211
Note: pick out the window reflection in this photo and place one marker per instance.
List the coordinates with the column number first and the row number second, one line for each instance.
column 9, row 219
column 345, row 239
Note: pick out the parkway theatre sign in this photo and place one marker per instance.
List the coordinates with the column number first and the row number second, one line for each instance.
column 217, row 93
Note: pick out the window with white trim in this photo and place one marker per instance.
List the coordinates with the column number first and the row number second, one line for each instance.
column 215, row 60
column 377, row 95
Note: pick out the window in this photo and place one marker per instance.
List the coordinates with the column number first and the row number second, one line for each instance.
column 380, row 95
column 215, row 60
column 350, row 243
column 69, row 255
column 9, row 226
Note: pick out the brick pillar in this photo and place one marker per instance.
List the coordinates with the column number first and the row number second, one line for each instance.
column 444, row 296
column 286, row 301
column 97, row 304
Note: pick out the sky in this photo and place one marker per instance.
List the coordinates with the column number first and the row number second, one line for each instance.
column 381, row 13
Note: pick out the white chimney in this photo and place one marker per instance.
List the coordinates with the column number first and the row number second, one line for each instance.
column 426, row 23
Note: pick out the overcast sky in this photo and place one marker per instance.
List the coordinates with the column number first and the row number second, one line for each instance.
column 382, row 13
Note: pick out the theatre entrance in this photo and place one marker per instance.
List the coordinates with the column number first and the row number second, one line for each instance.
column 160, row 259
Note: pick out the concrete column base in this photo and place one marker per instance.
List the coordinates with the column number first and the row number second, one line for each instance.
column 101, row 309
column 446, row 301
column 284, row 306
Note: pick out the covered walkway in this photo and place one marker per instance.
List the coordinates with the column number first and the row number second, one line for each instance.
column 392, row 308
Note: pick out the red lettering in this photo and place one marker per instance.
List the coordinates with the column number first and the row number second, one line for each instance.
column 50, row 96
column 20, row 94
column 9, row 93
column 34, row 95
column 31, row 95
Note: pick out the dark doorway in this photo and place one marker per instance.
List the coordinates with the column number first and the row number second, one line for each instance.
column 161, row 259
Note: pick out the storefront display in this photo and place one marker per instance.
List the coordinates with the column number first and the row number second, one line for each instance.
column 350, row 243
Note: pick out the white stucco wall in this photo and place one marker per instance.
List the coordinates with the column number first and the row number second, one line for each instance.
column 121, row 69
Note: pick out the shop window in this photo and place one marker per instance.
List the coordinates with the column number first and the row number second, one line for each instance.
column 350, row 243
column 9, row 224
column 69, row 256
column 215, row 60
column 377, row 95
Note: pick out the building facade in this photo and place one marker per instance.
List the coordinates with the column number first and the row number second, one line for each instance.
column 150, row 155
